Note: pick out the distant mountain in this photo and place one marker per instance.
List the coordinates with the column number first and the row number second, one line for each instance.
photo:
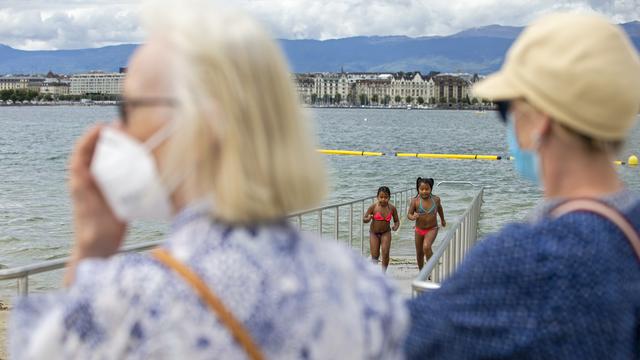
column 109, row 58
column 478, row 50
column 632, row 28
column 492, row 31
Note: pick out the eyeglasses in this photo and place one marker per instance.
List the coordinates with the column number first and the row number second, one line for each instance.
column 126, row 104
column 503, row 108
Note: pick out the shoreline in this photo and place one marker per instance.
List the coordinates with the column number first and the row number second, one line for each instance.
column 61, row 103
column 115, row 103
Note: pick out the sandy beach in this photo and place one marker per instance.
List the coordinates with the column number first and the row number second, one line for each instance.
column 4, row 315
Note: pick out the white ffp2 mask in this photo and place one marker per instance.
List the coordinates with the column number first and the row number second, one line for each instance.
column 127, row 175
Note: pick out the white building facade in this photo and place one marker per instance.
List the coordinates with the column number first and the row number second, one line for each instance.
column 21, row 83
column 97, row 83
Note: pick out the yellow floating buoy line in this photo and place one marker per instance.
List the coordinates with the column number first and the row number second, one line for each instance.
column 631, row 161
column 350, row 152
column 451, row 156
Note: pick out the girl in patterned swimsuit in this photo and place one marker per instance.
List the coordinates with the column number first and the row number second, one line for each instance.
column 380, row 230
column 423, row 210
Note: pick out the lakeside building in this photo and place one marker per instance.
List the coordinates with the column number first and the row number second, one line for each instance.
column 97, row 83
column 21, row 83
column 55, row 87
column 400, row 88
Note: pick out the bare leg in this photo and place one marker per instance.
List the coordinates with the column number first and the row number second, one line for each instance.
column 428, row 242
column 419, row 250
column 374, row 247
column 386, row 247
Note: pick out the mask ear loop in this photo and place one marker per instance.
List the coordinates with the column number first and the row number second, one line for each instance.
column 538, row 139
column 170, row 183
column 161, row 135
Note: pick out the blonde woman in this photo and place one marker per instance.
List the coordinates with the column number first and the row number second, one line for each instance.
column 211, row 137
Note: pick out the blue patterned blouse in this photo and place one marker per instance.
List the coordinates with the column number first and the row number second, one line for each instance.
column 565, row 288
column 299, row 297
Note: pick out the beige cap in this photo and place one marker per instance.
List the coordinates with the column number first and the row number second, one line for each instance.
column 578, row 68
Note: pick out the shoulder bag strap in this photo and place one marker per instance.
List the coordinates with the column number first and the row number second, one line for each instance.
column 605, row 211
column 238, row 331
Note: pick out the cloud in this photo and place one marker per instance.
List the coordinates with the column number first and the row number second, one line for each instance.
column 332, row 19
column 65, row 24
column 37, row 25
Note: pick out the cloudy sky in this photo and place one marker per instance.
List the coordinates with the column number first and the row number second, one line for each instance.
column 71, row 24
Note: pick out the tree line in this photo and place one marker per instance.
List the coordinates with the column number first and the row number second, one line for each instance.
column 20, row 95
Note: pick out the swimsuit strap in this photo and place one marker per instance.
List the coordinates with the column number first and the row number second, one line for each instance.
column 421, row 209
column 378, row 216
column 433, row 205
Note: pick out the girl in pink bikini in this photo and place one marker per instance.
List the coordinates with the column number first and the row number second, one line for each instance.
column 423, row 210
column 381, row 213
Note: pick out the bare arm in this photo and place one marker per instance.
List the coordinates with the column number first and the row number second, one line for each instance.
column 396, row 219
column 412, row 209
column 369, row 214
column 441, row 213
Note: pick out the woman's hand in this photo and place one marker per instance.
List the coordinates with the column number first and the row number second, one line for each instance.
column 367, row 218
column 395, row 226
column 97, row 231
column 444, row 223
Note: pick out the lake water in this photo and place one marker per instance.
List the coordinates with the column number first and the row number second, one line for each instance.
column 35, row 143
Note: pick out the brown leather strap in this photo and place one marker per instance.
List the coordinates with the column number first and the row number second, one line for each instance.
column 238, row 331
column 605, row 211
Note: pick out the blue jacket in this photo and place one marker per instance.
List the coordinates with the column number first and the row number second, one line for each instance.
column 565, row 288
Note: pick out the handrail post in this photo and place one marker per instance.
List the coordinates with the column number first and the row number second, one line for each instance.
column 351, row 225
column 362, row 231
column 320, row 223
column 336, row 225
column 23, row 285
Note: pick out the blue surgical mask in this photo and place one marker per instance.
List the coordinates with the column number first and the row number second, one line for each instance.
column 526, row 162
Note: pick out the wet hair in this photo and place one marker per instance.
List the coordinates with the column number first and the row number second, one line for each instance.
column 383, row 189
column 420, row 180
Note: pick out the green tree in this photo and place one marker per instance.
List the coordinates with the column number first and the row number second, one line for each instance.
column 386, row 100
column 5, row 95
column 325, row 98
column 350, row 99
column 474, row 101
column 374, row 98
column 364, row 99
column 398, row 98
column 420, row 100
column 314, row 98
column 432, row 100
column 409, row 99
column 443, row 100
column 338, row 98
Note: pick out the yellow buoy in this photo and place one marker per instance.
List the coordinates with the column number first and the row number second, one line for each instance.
column 451, row 156
column 633, row 160
column 350, row 152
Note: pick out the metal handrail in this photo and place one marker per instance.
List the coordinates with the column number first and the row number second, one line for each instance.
column 400, row 199
column 454, row 246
